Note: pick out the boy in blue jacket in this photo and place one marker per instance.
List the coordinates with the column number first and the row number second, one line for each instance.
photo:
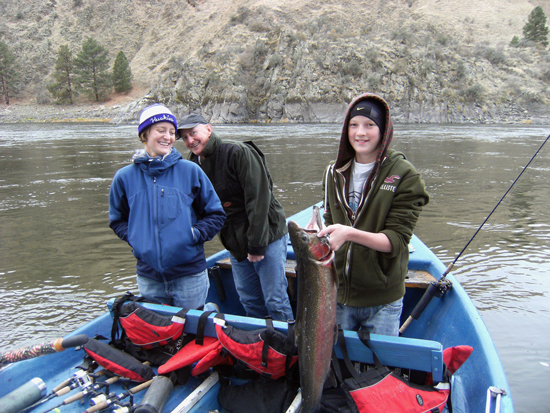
column 166, row 208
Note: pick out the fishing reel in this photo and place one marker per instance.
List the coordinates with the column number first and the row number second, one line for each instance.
column 123, row 409
column 101, row 398
column 81, row 379
column 441, row 287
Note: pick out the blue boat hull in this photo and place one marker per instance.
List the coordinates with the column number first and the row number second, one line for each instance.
column 448, row 321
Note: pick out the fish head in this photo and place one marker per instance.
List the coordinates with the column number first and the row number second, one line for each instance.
column 306, row 243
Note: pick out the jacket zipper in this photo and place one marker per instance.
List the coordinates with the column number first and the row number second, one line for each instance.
column 157, row 232
column 343, row 202
column 354, row 216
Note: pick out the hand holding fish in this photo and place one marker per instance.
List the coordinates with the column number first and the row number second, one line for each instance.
column 339, row 234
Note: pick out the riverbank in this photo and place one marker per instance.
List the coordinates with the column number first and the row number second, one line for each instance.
column 127, row 110
column 112, row 110
column 55, row 113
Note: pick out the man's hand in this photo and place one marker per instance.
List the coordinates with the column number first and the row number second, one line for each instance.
column 255, row 258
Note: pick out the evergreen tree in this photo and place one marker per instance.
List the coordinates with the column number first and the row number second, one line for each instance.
column 122, row 74
column 92, row 70
column 535, row 29
column 8, row 74
column 62, row 88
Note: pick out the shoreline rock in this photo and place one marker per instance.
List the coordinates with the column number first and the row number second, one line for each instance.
column 22, row 113
column 128, row 113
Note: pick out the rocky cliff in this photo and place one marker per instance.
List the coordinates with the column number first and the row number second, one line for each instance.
column 295, row 61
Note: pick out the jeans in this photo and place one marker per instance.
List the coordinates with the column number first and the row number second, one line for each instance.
column 381, row 319
column 185, row 292
column 262, row 286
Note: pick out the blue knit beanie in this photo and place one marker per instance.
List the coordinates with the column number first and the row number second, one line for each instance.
column 154, row 114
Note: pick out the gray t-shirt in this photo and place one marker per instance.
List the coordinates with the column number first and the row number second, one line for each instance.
column 359, row 173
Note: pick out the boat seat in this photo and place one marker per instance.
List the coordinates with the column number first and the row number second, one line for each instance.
column 402, row 352
column 414, row 278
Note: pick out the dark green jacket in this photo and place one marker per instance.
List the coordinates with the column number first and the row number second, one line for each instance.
column 239, row 173
column 392, row 200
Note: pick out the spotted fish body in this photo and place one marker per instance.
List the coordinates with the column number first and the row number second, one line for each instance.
column 316, row 312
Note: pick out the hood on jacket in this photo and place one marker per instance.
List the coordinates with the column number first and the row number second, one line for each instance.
column 155, row 166
column 346, row 152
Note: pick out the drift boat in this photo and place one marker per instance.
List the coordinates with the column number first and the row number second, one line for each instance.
column 479, row 385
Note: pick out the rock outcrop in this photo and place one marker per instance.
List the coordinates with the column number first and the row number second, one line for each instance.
column 293, row 61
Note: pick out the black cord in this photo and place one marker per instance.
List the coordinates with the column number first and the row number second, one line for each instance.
column 494, row 209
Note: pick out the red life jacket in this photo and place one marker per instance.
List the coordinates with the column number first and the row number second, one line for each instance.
column 392, row 394
column 143, row 327
column 117, row 361
column 207, row 351
column 266, row 351
column 378, row 390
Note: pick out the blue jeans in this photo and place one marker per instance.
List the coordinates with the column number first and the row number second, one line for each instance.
column 381, row 319
column 262, row 286
column 185, row 292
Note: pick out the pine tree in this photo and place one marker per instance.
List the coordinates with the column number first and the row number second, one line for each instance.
column 62, row 88
column 92, row 70
column 8, row 74
column 122, row 74
column 535, row 29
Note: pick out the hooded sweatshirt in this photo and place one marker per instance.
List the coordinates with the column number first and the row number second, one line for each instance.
column 166, row 209
column 392, row 198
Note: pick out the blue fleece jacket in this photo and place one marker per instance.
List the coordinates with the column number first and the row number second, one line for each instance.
column 166, row 209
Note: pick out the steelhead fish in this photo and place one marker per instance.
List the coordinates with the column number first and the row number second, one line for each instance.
column 315, row 331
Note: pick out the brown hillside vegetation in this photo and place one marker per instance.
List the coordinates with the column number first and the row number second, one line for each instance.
column 298, row 61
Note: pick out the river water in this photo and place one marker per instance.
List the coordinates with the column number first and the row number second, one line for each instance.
column 60, row 262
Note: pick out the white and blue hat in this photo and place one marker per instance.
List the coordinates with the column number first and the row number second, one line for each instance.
column 154, row 114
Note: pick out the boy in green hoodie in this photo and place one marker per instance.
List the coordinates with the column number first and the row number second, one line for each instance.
column 373, row 198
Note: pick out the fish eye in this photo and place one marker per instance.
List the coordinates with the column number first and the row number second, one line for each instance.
column 304, row 237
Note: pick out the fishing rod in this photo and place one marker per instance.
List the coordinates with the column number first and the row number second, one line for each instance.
column 105, row 400
column 89, row 388
column 41, row 349
column 81, row 378
column 439, row 288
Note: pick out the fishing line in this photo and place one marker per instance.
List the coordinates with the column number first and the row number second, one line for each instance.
column 440, row 287
column 449, row 268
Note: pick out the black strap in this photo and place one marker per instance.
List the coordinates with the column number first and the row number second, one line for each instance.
column 289, row 347
column 364, row 336
column 182, row 313
column 199, row 339
column 378, row 373
column 128, row 296
column 336, row 367
column 344, row 350
column 268, row 339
